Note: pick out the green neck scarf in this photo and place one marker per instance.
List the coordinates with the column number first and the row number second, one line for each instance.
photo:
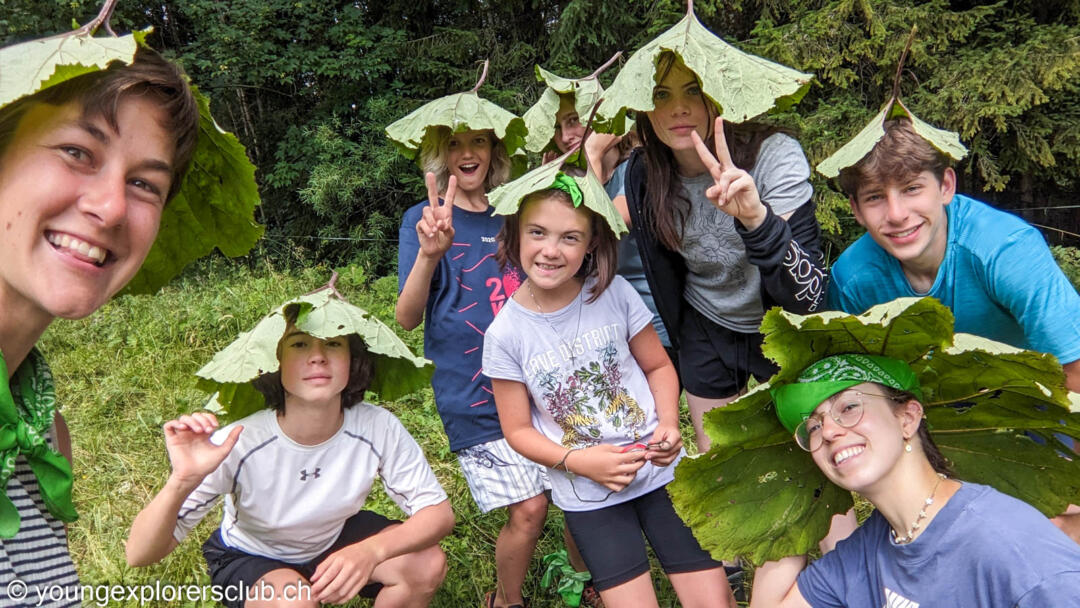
column 819, row 381
column 27, row 408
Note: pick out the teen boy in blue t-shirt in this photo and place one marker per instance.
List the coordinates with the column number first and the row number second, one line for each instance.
column 992, row 269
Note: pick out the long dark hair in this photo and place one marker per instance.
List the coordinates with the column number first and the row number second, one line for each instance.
column 667, row 204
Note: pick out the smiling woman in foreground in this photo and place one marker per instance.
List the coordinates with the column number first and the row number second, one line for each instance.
column 932, row 540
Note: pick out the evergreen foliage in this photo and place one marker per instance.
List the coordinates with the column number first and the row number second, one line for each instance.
column 309, row 87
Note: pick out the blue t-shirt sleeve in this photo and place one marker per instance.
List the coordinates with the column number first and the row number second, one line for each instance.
column 616, row 186
column 409, row 246
column 826, row 581
column 1025, row 279
column 1061, row 590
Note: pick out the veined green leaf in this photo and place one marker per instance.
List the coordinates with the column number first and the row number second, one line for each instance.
column 853, row 151
column 506, row 199
column 756, row 494
column 215, row 204
column 33, row 66
column 323, row 315
column 540, row 118
column 742, row 85
column 215, row 207
column 459, row 112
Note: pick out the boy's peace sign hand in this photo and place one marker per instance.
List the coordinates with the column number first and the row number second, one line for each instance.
column 192, row 454
column 436, row 226
column 733, row 190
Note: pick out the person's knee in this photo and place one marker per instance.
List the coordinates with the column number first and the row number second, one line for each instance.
column 529, row 515
column 425, row 570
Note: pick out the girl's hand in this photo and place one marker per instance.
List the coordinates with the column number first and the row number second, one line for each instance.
column 733, row 190
column 606, row 464
column 343, row 573
column 436, row 226
column 668, row 442
column 192, row 454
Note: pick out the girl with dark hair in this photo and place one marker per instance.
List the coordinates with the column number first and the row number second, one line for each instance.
column 722, row 238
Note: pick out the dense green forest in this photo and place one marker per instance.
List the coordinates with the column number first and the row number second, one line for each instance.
column 309, row 86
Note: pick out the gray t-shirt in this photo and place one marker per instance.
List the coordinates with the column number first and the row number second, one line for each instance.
column 721, row 283
column 585, row 387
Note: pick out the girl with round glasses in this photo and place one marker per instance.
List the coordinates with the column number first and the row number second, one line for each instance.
column 932, row 539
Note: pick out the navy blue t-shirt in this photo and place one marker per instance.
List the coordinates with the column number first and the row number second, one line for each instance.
column 983, row 548
column 467, row 290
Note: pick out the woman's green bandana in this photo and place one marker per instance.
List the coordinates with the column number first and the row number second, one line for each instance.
column 567, row 184
column 27, row 408
column 819, row 381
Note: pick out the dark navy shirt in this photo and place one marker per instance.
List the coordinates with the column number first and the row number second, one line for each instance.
column 466, row 292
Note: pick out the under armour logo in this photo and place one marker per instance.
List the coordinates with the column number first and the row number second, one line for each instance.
column 304, row 474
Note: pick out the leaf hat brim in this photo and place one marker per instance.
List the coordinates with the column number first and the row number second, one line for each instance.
column 756, row 494
column 741, row 84
column 321, row 314
column 507, row 198
column 215, row 204
column 459, row 112
column 540, row 118
column 947, row 142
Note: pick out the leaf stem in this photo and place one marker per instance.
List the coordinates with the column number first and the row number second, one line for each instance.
column 332, row 286
column 900, row 66
column 483, row 76
column 606, row 65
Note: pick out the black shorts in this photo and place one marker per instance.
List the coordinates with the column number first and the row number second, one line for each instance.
column 232, row 569
column 610, row 540
column 717, row 362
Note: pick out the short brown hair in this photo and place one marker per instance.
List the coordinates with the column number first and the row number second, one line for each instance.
column 433, row 159
column 361, row 373
column 601, row 261
column 899, row 155
column 101, row 92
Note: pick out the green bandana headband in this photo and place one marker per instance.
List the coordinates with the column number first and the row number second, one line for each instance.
column 24, row 433
column 567, row 184
column 819, row 381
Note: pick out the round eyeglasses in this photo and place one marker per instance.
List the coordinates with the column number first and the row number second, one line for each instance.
column 846, row 409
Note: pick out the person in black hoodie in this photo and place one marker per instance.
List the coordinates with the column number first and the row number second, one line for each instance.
column 722, row 238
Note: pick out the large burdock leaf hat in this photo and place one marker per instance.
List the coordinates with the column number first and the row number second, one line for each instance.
column 458, row 112
column 215, row 204
column 540, row 118
column 323, row 313
column 946, row 142
column 583, row 190
column 755, row 493
column 740, row 84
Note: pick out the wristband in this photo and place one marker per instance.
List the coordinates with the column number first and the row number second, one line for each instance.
column 562, row 462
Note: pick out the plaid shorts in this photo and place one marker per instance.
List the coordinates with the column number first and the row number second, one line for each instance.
column 498, row 476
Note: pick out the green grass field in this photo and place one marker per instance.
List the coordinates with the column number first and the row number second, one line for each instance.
column 130, row 367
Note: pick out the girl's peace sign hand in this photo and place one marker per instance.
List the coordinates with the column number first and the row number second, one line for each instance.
column 733, row 190
column 436, row 226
